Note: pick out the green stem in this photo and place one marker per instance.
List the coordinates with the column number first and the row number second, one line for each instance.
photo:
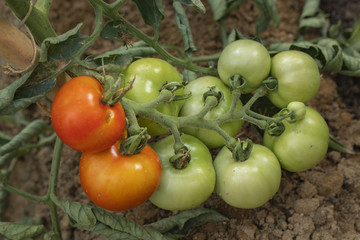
column 222, row 24
column 152, row 42
column 38, row 21
column 51, row 194
column 23, row 193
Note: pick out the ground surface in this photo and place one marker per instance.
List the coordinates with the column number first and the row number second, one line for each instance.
column 322, row 203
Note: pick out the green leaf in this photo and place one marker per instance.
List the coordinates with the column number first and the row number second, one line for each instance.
column 197, row 4
column 115, row 30
column 182, row 224
column 80, row 215
column 234, row 35
column 338, row 146
column 184, row 27
column 222, row 8
column 32, row 130
column 7, row 94
column 20, row 231
column 62, row 47
column 152, row 11
column 126, row 226
column 354, row 39
column 312, row 17
column 268, row 12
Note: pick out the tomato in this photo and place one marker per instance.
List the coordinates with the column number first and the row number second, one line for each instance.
column 185, row 188
column 297, row 75
column 247, row 58
column 81, row 120
column 303, row 144
column 116, row 182
column 250, row 183
column 195, row 103
column 150, row 75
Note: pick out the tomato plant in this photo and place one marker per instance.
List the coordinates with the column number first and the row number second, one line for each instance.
column 195, row 103
column 304, row 143
column 116, row 182
column 81, row 120
column 150, row 75
column 249, row 183
column 186, row 188
column 247, row 58
column 298, row 78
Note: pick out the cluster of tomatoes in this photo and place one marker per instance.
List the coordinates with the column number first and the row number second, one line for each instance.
column 117, row 182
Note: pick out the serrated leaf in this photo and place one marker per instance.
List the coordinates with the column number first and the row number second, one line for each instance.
column 222, row 8
column 114, row 30
column 32, row 130
column 127, row 226
column 184, row 27
column 7, row 94
column 183, row 223
column 268, row 12
column 311, row 16
column 152, row 12
column 20, row 231
column 111, row 233
column 234, row 35
column 80, row 215
column 62, row 47
column 197, row 4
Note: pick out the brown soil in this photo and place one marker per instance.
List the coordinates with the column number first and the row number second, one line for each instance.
column 322, row 203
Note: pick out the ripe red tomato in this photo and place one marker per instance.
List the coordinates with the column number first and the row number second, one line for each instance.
column 81, row 120
column 116, row 182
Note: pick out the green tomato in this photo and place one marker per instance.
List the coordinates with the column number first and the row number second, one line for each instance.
column 298, row 78
column 150, row 75
column 250, row 183
column 247, row 58
column 303, row 144
column 195, row 103
column 186, row 188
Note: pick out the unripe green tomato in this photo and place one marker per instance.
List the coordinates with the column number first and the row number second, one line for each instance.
column 298, row 78
column 150, row 75
column 247, row 58
column 186, row 188
column 303, row 144
column 250, row 183
column 195, row 103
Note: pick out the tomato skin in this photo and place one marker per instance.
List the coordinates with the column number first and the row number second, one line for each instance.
column 245, row 57
column 247, row 184
column 150, row 75
column 195, row 103
column 116, row 182
column 80, row 119
column 186, row 188
column 298, row 78
column 303, row 144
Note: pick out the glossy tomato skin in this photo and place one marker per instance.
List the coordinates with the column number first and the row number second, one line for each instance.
column 298, row 78
column 303, row 144
column 250, row 183
column 116, row 182
column 195, row 103
column 245, row 57
column 80, row 119
column 150, row 75
column 186, row 188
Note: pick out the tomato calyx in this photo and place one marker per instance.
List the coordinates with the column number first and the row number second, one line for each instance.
column 212, row 92
column 112, row 92
column 242, row 150
column 181, row 158
column 275, row 128
column 135, row 144
column 271, row 84
column 237, row 82
column 172, row 87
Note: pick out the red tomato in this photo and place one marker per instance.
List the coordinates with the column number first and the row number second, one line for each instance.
column 81, row 120
column 116, row 182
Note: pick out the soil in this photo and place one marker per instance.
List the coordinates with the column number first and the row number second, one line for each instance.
column 321, row 203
